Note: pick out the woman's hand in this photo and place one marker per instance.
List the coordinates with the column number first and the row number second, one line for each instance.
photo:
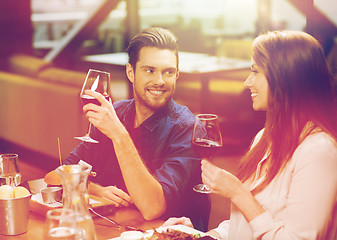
column 219, row 180
column 178, row 221
column 226, row 184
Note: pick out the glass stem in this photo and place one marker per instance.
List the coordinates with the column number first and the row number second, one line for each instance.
column 89, row 129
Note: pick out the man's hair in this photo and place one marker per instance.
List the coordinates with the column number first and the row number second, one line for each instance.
column 151, row 37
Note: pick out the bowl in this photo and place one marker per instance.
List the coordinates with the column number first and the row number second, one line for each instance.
column 132, row 235
column 51, row 194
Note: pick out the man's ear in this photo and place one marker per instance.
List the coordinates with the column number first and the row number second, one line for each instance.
column 130, row 72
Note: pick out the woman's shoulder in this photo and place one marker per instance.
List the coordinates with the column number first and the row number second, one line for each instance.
column 319, row 139
column 319, row 147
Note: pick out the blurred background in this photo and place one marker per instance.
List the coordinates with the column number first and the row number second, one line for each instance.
column 44, row 46
column 198, row 24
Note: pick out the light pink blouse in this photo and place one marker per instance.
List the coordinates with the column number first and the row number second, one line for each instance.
column 300, row 203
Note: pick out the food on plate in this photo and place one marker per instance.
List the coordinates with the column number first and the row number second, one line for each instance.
column 7, row 192
column 176, row 234
column 206, row 238
column 20, row 192
column 52, row 178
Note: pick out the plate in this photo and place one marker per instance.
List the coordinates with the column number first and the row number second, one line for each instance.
column 182, row 228
column 100, row 205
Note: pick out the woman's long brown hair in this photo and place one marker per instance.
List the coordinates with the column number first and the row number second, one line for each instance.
column 301, row 91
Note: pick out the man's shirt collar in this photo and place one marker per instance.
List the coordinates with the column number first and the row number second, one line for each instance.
column 153, row 121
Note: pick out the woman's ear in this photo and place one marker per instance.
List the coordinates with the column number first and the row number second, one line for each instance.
column 130, row 72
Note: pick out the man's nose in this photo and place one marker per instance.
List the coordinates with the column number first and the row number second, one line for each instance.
column 159, row 79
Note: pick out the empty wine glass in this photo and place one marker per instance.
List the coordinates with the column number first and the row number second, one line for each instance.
column 98, row 81
column 206, row 140
column 9, row 170
column 60, row 224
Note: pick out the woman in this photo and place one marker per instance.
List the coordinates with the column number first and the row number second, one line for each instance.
column 287, row 183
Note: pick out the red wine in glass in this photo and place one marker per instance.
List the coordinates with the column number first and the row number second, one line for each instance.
column 205, row 148
column 98, row 81
column 89, row 99
column 206, row 141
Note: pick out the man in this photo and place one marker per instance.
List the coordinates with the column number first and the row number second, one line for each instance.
column 144, row 154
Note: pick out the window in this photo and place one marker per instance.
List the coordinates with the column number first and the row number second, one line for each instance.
column 198, row 24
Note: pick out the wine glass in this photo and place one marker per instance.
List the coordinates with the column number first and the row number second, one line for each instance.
column 60, row 224
column 206, row 140
column 98, row 81
column 9, row 170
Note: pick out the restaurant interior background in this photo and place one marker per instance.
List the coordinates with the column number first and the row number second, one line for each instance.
column 43, row 44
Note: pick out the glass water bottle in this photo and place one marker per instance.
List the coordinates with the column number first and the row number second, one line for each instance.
column 75, row 196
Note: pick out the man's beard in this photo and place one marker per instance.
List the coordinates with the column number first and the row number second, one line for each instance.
column 152, row 105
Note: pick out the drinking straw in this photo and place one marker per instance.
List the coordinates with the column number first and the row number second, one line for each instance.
column 58, row 144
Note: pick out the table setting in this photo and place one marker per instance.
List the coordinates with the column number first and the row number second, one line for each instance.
column 28, row 204
column 41, row 205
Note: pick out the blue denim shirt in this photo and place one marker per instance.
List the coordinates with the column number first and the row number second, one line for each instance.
column 164, row 144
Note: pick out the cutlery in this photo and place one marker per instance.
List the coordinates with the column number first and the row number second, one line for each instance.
column 127, row 227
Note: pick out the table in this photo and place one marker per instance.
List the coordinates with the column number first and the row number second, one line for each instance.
column 104, row 229
column 192, row 66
